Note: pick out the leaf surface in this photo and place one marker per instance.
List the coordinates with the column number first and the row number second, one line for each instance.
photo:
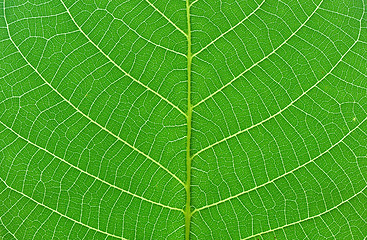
column 182, row 119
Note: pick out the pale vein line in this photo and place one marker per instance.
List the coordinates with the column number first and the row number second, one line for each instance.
column 2, row 223
column 87, row 173
column 239, row 23
column 60, row 214
column 146, row 39
column 169, row 20
column 282, row 110
column 261, row 60
column 88, row 117
column 188, row 206
column 338, row 13
column 116, row 65
column 309, row 218
column 285, row 174
column 193, row 3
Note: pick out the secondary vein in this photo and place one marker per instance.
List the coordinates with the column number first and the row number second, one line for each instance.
column 86, row 115
column 86, row 172
column 115, row 64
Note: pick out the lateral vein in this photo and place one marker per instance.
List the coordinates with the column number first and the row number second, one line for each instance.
column 169, row 20
column 239, row 23
column 282, row 110
column 146, row 39
column 308, row 218
column 88, row 117
column 60, row 214
column 283, row 175
column 258, row 62
column 118, row 66
column 87, row 173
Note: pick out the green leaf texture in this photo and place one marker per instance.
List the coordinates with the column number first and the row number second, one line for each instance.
column 175, row 119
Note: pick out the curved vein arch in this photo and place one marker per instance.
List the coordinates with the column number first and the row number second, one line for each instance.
column 261, row 60
column 282, row 110
column 60, row 214
column 8, row 210
column 321, row 169
column 239, row 23
column 88, row 117
column 355, row 69
column 349, row 83
column 26, row 218
column 2, row 223
column 309, row 218
column 146, row 39
column 169, row 20
column 338, row 13
column 333, row 24
column 87, row 173
column 284, row 174
column 116, row 65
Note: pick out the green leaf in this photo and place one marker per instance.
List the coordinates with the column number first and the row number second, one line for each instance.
column 177, row 119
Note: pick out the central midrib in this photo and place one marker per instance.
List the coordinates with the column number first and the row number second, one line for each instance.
column 188, row 211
